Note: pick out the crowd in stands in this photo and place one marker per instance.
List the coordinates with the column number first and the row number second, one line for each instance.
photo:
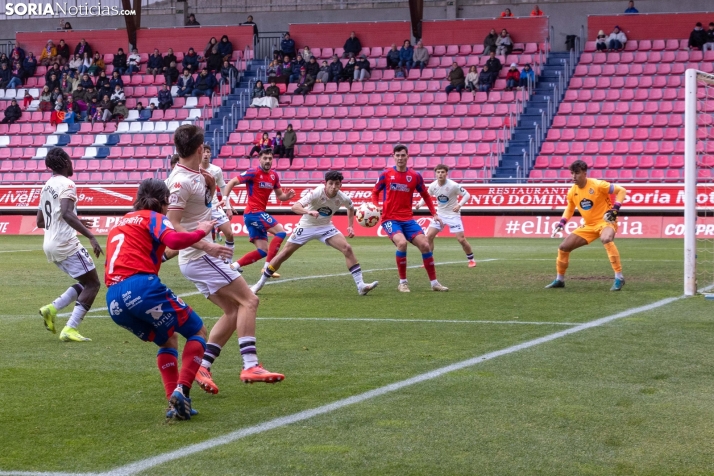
column 283, row 144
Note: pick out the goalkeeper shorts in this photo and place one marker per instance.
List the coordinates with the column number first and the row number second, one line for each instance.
column 591, row 233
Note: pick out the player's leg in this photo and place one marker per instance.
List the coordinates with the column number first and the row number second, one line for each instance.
column 339, row 242
column 227, row 231
column 237, row 295
column 274, row 265
column 606, row 237
column 195, row 332
column 49, row 312
column 223, row 224
column 420, row 241
column 279, row 235
column 80, row 266
column 570, row 243
column 401, row 257
column 220, row 334
column 466, row 246
column 431, row 233
column 258, row 236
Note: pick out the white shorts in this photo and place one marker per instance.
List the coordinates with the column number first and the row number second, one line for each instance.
column 303, row 234
column 219, row 215
column 78, row 264
column 454, row 223
column 209, row 274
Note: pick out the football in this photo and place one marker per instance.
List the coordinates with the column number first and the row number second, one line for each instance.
column 368, row 215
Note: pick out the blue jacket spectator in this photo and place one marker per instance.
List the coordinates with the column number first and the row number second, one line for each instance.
column 165, row 98
column 335, row 68
column 406, row 55
column 225, row 47
column 527, row 73
column 86, row 81
column 156, row 61
column 204, row 84
column 119, row 61
column 190, row 61
column 353, row 47
column 631, row 8
column 30, row 64
column 287, row 46
column 145, row 114
column 116, row 79
column 185, row 84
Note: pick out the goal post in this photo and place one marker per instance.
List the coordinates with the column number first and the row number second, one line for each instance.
column 698, row 153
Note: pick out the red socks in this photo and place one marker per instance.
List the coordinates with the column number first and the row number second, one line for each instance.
column 274, row 246
column 428, row 259
column 402, row 264
column 191, row 360
column 252, row 257
column 167, row 361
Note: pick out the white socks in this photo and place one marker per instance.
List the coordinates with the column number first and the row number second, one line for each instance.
column 78, row 314
column 68, row 296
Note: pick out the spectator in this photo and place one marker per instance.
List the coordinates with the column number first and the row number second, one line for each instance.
column 80, row 95
column 312, row 67
column 106, row 107
column 85, row 82
column 120, row 112
column 527, row 74
column 289, row 141
column 504, row 44
column 82, row 47
column 66, row 70
column 49, row 54
column 273, row 91
column 228, row 70
column 307, row 53
column 17, row 75
column 278, row 147
column 472, row 79
column 98, row 66
column 295, row 71
column 190, row 61
column 192, row 21
column 66, row 84
column 165, row 98
column 114, row 82
column 67, row 25
column 214, row 60
column 698, row 37
column 5, row 59
column 27, row 100
column 249, row 22
column 287, row 46
column 205, row 84
column 56, row 93
column 118, row 94
column 513, row 77
column 406, row 56
column 225, row 47
column 30, row 64
column 19, row 51
column 168, row 59
column 709, row 45
column 601, row 41
column 209, row 47
column 456, row 79
column 494, row 64
column 53, row 83
column 155, row 65
column 489, row 43
column 185, row 84
column 257, row 95
column 5, row 75
column 134, row 62
column 617, row 40
column 60, row 114
column 285, row 69
column 119, row 61
column 348, row 72
column 94, row 112
column 263, row 143
column 63, row 52
column 485, row 79
column 273, row 69
column 363, row 70
column 324, row 75
column 336, row 69
column 536, row 12
column 506, row 13
column 171, row 74
column 305, row 82
column 46, row 103
column 55, row 69
column 631, row 8
column 352, row 47
column 75, row 64
column 13, row 113
column 393, row 57
column 421, row 56
column 72, row 106
column 144, row 112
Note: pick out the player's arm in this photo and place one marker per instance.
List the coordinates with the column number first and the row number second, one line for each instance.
column 214, row 249
column 567, row 215
column 350, row 221
column 620, row 194
column 378, row 188
column 429, row 203
column 465, row 196
column 40, row 219
column 71, row 218
column 284, row 196
column 177, row 240
column 299, row 209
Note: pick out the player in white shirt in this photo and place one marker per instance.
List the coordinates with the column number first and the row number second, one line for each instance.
column 204, row 264
column 317, row 208
column 448, row 208
column 58, row 216
column 220, row 201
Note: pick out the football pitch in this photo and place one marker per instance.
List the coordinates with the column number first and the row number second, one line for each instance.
column 497, row 376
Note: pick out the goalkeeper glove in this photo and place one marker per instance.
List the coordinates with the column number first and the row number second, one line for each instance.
column 611, row 215
column 559, row 227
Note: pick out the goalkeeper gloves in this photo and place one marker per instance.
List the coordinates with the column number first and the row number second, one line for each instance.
column 611, row 215
column 559, row 227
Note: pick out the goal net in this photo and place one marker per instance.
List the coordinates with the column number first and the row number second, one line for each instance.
column 698, row 183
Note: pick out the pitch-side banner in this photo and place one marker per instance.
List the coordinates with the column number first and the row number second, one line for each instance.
column 511, row 198
column 474, row 226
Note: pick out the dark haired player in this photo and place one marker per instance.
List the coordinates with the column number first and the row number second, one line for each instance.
column 221, row 217
column 396, row 186
column 139, row 302
column 58, row 216
column 203, row 263
column 592, row 199
column 317, row 209
column 260, row 183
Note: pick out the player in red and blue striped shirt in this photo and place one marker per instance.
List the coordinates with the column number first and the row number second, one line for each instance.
column 396, row 187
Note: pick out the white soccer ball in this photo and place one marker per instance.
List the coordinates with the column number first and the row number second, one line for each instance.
column 368, row 215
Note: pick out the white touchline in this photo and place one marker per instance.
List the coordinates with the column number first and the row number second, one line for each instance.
column 148, row 463
column 302, row 278
column 19, row 251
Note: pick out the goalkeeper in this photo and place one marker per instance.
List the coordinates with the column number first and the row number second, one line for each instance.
column 592, row 199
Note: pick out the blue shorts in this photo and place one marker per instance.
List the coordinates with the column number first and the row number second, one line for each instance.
column 258, row 225
column 143, row 305
column 410, row 229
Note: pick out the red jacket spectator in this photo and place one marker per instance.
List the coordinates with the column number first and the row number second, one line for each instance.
column 506, row 13
column 536, row 12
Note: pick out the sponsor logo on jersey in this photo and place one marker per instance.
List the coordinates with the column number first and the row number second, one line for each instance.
column 399, row 187
column 168, row 224
column 173, row 199
column 409, row 178
column 443, row 199
column 265, row 185
column 586, row 204
column 156, row 312
column 176, row 185
column 324, row 211
column 114, row 308
column 135, row 220
column 129, row 301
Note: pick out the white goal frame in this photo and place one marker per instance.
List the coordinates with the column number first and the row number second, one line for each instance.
column 692, row 77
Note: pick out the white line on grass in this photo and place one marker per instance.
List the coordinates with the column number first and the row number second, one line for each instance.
column 19, row 251
column 154, row 461
column 303, row 278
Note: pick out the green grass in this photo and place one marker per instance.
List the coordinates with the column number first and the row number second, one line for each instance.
column 631, row 397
